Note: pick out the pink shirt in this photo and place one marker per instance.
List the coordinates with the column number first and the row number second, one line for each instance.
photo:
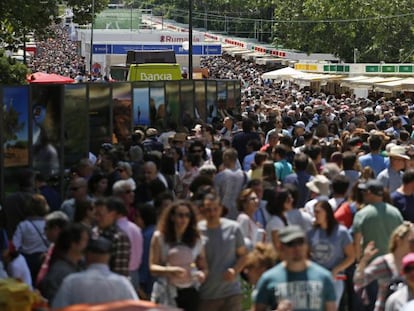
column 135, row 238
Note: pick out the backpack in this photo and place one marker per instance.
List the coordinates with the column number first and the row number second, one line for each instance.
column 394, row 284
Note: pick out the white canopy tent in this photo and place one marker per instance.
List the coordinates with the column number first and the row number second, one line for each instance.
column 283, row 74
column 402, row 84
column 267, row 61
column 369, row 82
column 305, row 80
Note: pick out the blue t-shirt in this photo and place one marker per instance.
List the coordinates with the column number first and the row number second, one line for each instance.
column 308, row 290
column 328, row 251
column 376, row 161
column 282, row 168
column 405, row 203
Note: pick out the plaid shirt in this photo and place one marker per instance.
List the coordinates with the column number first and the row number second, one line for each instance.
column 119, row 262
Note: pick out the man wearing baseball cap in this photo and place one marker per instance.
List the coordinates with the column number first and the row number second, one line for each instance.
column 376, row 221
column 405, row 293
column 305, row 284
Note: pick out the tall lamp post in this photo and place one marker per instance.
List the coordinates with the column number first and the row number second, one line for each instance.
column 91, row 49
column 190, row 39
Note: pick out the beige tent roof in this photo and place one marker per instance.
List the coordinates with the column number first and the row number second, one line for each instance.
column 319, row 77
column 367, row 82
column 355, row 78
column 403, row 84
column 283, row 74
column 269, row 60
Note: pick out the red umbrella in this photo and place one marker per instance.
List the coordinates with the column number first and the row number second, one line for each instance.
column 48, row 78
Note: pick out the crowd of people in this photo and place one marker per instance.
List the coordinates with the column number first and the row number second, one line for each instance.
column 302, row 201
column 59, row 55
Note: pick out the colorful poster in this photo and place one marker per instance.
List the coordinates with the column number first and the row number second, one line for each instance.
column 157, row 105
column 141, row 104
column 100, row 127
column 211, row 101
column 122, row 112
column 187, row 104
column 15, row 129
column 46, row 135
column 75, row 120
column 200, row 100
column 172, row 90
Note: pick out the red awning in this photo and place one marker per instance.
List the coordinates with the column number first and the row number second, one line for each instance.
column 48, row 78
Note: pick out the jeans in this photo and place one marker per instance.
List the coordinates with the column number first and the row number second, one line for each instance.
column 339, row 290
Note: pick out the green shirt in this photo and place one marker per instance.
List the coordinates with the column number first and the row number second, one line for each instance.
column 376, row 222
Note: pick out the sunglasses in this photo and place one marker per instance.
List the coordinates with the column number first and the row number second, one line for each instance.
column 210, row 209
column 74, row 188
column 297, row 242
column 107, row 146
column 408, row 269
column 128, row 191
column 183, row 215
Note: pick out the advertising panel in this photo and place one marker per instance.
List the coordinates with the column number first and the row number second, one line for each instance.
column 15, row 131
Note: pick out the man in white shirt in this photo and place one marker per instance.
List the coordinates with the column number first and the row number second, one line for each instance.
column 97, row 284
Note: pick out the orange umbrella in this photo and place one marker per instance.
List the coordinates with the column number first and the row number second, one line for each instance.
column 48, row 78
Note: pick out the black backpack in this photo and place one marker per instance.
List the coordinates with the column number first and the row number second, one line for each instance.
column 394, row 284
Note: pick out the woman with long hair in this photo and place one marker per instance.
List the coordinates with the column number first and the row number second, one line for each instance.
column 269, row 175
column 386, row 267
column 66, row 258
column 29, row 238
column 278, row 202
column 85, row 214
column 97, row 185
column 247, row 204
column 177, row 257
column 331, row 245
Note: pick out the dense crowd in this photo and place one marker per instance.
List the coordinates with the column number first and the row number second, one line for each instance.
column 57, row 54
column 301, row 201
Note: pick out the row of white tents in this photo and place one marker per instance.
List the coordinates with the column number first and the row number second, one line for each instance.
column 379, row 84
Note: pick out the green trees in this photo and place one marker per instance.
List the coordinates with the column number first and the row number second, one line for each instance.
column 21, row 17
column 11, row 71
column 377, row 30
column 380, row 30
column 82, row 9
column 11, row 125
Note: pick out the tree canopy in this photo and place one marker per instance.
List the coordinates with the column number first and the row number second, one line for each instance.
column 82, row 9
column 377, row 30
column 380, row 30
column 11, row 71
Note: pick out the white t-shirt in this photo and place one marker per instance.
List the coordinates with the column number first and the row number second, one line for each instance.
column 275, row 224
column 248, row 227
column 18, row 269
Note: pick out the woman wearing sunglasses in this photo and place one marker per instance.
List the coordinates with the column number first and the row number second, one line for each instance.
column 247, row 204
column 177, row 258
column 331, row 245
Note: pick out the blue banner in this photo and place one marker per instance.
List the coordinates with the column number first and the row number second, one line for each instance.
column 212, row 49
column 102, row 49
column 124, row 48
column 198, row 50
